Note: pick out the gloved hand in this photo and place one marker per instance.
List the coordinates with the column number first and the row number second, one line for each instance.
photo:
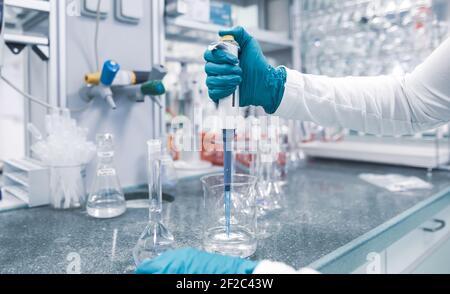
column 191, row 261
column 260, row 83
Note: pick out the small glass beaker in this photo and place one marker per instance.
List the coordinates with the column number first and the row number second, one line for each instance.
column 67, row 187
column 240, row 238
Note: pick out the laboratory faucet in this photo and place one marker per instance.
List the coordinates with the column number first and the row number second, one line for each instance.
column 103, row 89
column 139, row 92
column 152, row 88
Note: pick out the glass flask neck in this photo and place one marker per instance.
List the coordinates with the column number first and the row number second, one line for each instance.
column 155, row 184
column 105, row 157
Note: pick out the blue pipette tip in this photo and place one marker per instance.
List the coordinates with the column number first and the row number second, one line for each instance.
column 228, row 137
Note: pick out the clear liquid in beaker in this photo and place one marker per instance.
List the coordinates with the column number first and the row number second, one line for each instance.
column 239, row 242
column 234, row 236
column 106, row 199
column 106, row 204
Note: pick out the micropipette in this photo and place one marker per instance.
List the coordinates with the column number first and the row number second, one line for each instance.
column 229, row 110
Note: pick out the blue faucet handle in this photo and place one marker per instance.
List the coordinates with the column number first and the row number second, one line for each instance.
column 109, row 72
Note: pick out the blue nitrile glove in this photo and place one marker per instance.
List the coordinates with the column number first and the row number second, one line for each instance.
column 260, row 83
column 190, row 261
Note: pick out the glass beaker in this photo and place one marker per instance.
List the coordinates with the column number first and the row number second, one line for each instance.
column 241, row 239
column 106, row 199
column 67, row 187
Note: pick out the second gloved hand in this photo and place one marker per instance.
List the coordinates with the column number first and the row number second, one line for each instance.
column 191, row 261
column 260, row 83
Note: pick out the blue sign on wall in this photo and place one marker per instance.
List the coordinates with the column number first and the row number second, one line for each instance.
column 221, row 14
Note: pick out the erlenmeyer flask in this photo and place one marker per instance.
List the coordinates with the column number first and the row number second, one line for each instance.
column 156, row 238
column 264, row 167
column 268, row 187
column 106, row 199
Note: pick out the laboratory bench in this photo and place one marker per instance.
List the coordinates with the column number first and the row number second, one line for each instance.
column 332, row 221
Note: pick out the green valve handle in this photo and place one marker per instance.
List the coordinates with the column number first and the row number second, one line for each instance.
column 153, row 88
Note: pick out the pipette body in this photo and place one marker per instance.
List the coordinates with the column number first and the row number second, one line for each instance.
column 229, row 111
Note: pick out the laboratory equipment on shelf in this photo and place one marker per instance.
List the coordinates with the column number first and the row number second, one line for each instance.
column 156, row 238
column 236, row 237
column 372, row 38
column 106, row 199
column 229, row 112
column 103, row 90
column 65, row 151
column 192, row 132
column 369, row 37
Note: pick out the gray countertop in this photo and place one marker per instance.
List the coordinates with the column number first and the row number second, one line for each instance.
column 326, row 207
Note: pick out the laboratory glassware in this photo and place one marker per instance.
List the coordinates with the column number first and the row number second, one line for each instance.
column 238, row 237
column 268, row 194
column 156, row 238
column 169, row 174
column 268, row 210
column 369, row 37
column 106, row 199
column 289, row 145
column 264, row 167
column 270, row 171
column 298, row 135
column 65, row 151
column 67, row 187
column 269, row 190
column 190, row 157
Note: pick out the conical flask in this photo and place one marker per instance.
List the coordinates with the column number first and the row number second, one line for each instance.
column 156, row 238
column 263, row 167
column 106, row 199
column 268, row 194
column 268, row 188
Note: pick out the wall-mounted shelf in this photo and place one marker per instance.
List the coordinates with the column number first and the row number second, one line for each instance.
column 25, row 179
column 25, row 15
column 186, row 30
column 36, row 5
column 23, row 19
column 26, row 39
column 242, row 3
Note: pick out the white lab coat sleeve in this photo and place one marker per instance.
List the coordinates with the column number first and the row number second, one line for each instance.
column 384, row 105
column 269, row 267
